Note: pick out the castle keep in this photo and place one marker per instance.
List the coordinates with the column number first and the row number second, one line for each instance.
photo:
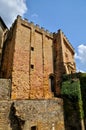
column 32, row 62
column 35, row 60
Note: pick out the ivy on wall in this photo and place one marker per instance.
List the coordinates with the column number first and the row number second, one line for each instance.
column 82, row 78
column 73, row 87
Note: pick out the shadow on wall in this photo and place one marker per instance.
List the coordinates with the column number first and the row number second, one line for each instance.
column 15, row 122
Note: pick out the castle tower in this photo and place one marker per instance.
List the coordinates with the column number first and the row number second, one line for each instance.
column 35, row 60
column 28, row 60
column 63, row 58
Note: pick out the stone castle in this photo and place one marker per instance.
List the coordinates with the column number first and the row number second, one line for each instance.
column 35, row 60
column 32, row 62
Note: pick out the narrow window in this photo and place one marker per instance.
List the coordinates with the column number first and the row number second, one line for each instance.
column 32, row 66
column 33, row 128
column 52, row 83
column 66, row 57
column 32, row 48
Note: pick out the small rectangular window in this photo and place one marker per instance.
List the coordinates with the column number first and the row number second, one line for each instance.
column 33, row 128
column 32, row 48
column 32, row 66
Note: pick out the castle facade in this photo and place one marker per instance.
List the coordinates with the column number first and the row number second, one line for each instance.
column 32, row 62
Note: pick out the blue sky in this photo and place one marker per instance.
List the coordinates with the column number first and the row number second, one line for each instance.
column 67, row 15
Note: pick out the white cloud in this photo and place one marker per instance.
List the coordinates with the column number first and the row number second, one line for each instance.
column 34, row 15
column 80, row 57
column 81, row 53
column 9, row 9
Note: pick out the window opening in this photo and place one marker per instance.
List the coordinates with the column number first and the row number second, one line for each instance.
column 32, row 66
column 52, row 83
column 33, row 128
column 32, row 48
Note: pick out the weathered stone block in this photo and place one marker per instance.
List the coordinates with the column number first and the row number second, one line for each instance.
column 5, row 89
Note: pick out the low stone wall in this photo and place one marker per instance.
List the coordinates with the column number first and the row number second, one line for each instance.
column 5, row 89
column 32, row 115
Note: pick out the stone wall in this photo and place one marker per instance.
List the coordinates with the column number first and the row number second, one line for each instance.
column 63, row 58
column 8, row 54
column 31, row 65
column 28, row 61
column 34, row 61
column 30, row 55
column 3, row 36
column 1, row 33
column 58, row 61
column 5, row 89
column 24, row 114
column 68, row 55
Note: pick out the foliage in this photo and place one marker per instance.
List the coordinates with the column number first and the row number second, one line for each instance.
column 83, row 90
column 74, row 85
column 70, row 88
